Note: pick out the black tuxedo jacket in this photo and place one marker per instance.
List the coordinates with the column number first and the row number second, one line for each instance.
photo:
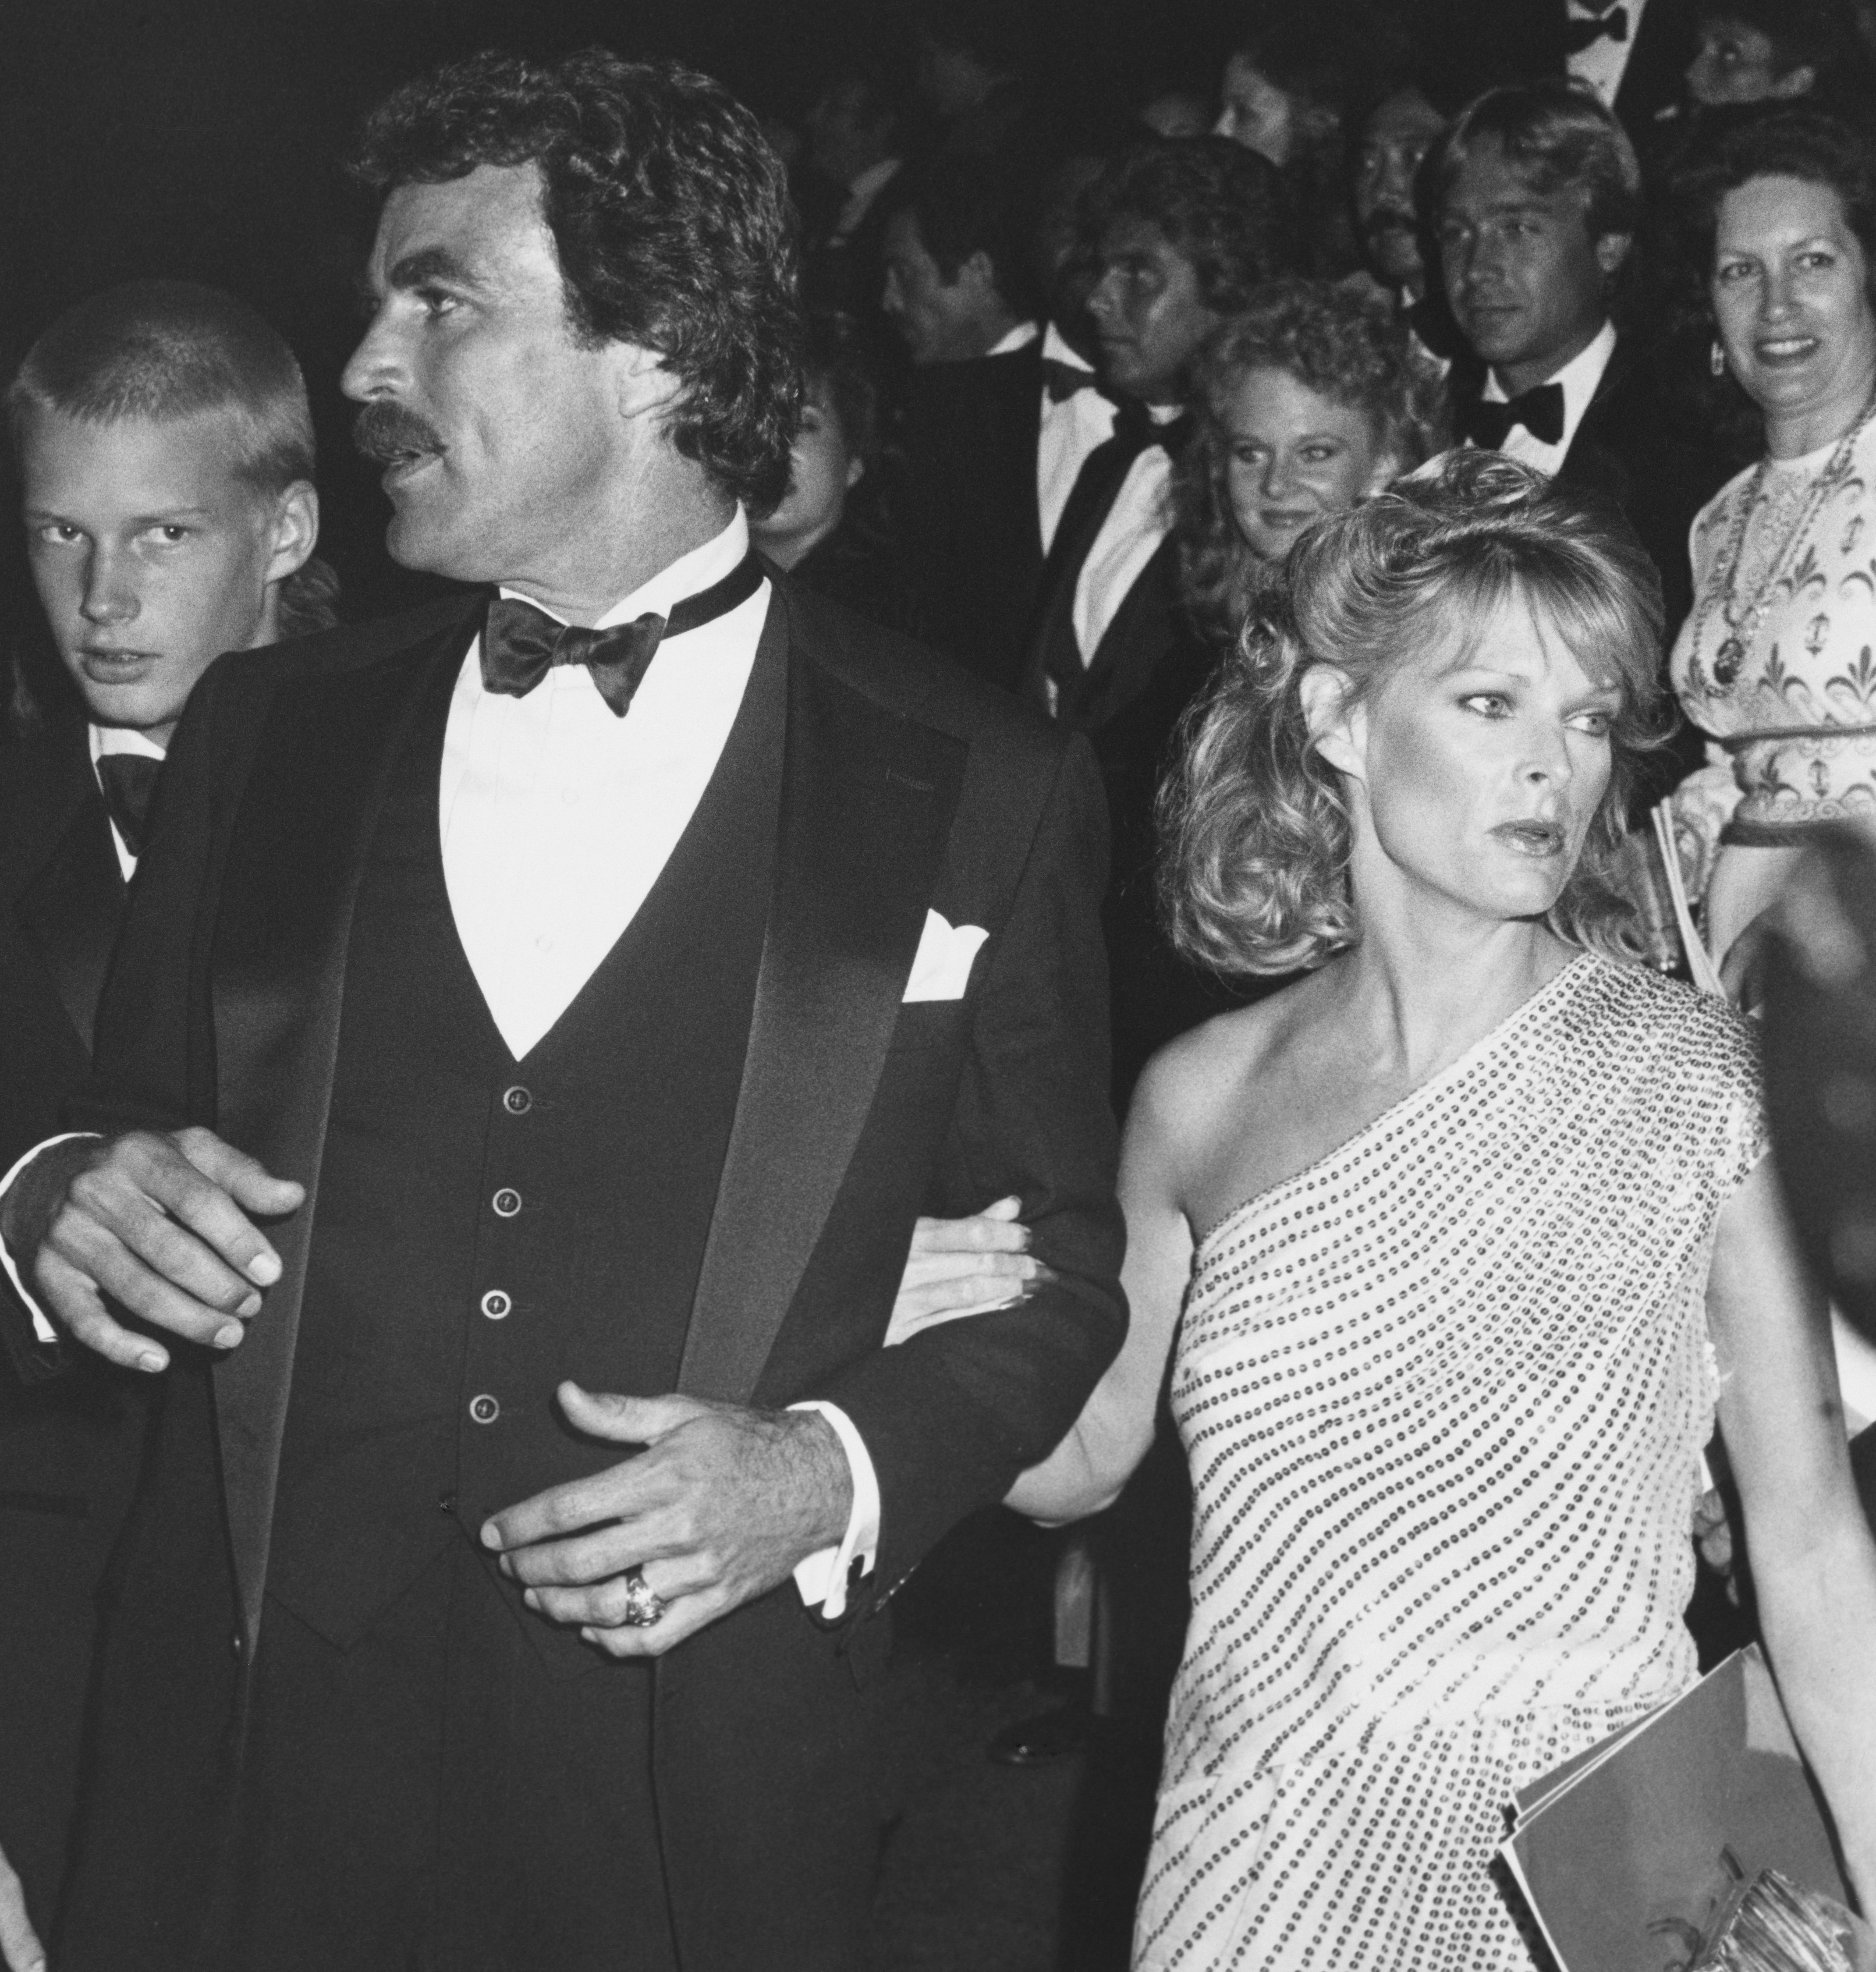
column 1632, row 447
column 1493, row 38
column 1151, row 666
column 68, row 1450
column 973, row 529
column 906, row 788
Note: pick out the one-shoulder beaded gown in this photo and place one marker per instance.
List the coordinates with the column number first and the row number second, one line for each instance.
column 1443, row 1395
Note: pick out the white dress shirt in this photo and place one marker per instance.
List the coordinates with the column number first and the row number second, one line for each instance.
column 121, row 739
column 1069, row 432
column 1604, row 62
column 1139, row 521
column 557, row 817
column 1579, row 378
column 1012, row 340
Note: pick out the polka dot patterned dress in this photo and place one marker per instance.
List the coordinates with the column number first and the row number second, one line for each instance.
column 1442, row 1396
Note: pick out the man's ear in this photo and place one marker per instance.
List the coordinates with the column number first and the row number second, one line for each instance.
column 295, row 531
column 1338, row 730
column 856, row 470
column 1611, row 249
column 1795, row 81
column 641, row 383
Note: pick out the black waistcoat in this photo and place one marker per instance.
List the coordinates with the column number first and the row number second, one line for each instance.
column 489, row 1227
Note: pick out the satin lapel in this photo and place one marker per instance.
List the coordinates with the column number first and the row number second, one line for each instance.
column 278, row 970
column 70, row 908
column 866, row 804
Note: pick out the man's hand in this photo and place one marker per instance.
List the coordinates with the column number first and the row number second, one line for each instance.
column 964, row 1266
column 158, row 1224
column 722, row 1505
column 20, row 1948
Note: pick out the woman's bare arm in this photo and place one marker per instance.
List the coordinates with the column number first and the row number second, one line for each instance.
column 1813, row 1562
column 1086, row 1471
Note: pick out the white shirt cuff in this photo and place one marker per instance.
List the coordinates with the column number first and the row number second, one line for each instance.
column 42, row 1330
column 825, row 1575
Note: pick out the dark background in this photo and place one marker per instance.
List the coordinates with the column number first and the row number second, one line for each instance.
column 202, row 139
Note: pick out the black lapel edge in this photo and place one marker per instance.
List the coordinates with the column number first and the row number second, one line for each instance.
column 68, row 910
column 280, row 1116
column 868, row 798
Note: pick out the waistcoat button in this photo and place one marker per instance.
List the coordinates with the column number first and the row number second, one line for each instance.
column 497, row 1305
column 484, row 1410
column 507, row 1202
column 518, row 1101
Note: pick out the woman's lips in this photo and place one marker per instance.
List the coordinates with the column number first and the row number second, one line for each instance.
column 1532, row 838
column 1778, row 351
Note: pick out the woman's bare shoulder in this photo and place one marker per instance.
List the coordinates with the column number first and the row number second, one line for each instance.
column 1194, row 1092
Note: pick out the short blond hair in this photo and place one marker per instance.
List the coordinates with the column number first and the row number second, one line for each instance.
column 1254, row 825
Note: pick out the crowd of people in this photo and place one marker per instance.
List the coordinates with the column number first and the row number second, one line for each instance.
column 555, row 1147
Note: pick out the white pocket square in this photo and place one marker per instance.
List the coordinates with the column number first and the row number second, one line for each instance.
column 946, row 954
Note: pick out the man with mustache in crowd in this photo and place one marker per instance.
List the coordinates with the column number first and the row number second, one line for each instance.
column 1183, row 232
column 1537, row 194
column 1400, row 130
column 165, row 449
column 587, row 982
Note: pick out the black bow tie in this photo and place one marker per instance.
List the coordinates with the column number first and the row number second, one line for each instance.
column 1540, row 410
column 520, row 643
column 128, row 782
column 1135, row 427
column 1064, row 380
column 1579, row 34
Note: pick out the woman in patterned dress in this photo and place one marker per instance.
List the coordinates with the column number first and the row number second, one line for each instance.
column 1777, row 660
column 1457, row 1247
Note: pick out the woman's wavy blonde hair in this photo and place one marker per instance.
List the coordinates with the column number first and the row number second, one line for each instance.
column 1254, row 829
column 1349, row 347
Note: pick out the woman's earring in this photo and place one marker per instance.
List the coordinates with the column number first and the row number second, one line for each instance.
column 1716, row 359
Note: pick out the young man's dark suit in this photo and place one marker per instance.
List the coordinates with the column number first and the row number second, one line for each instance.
column 973, row 528
column 1149, row 667
column 902, row 788
column 1530, row 38
column 68, row 1449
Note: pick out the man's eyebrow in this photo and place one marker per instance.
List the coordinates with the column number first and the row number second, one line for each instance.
column 432, row 263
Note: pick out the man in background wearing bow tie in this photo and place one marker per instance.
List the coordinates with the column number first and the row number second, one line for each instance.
column 165, row 449
column 1538, row 193
column 586, row 983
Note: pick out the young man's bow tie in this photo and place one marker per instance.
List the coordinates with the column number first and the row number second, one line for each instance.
column 1539, row 411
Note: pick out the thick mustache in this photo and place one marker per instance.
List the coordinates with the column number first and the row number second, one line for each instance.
column 385, row 431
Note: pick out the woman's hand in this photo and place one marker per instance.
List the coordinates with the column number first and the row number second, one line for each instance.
column 958, row 1267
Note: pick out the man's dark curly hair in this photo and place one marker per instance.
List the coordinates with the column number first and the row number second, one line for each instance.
column 670, row 216
column 1223, row 208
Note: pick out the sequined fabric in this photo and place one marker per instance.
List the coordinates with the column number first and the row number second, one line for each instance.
column 1442, row 1396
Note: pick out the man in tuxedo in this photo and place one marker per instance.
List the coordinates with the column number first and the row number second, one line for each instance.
column 164, row 450
column 1183, row 232
column 586, row 982
column 1537, row 192
column 954, row 264
column 958, row 286
column 1631, row 54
